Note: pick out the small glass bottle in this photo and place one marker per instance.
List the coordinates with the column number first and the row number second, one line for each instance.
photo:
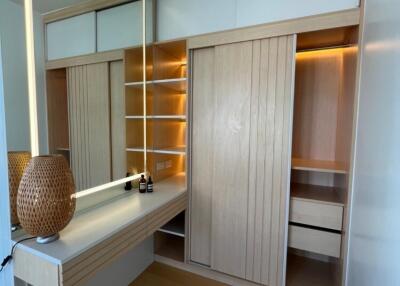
column 128, row 185
column 142, row 185
column 149, row 185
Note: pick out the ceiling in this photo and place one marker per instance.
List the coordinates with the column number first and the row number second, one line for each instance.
column 44, row 6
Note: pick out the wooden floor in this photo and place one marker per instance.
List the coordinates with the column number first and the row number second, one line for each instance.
column 159, row 274
column 303, row 271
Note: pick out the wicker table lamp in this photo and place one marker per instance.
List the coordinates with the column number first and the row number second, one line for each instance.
column 17, row 162
column 45, row 202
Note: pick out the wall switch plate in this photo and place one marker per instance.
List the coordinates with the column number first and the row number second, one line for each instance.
column 160, row 166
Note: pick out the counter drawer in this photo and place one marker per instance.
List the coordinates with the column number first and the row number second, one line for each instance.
column 318, row 241
column 316, row 214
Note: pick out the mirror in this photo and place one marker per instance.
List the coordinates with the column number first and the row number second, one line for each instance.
column 80, row 90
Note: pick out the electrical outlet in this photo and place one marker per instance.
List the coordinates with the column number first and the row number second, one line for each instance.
column 168, row 164
column 160, row 166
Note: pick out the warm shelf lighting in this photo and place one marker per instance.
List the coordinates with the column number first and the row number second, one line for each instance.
column 325, row 52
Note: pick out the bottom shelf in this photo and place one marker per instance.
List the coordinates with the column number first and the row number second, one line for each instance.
column 170, row 246
column 303, row 271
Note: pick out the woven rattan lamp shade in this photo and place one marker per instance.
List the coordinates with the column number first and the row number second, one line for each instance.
column 45, row 203
column 17, row 162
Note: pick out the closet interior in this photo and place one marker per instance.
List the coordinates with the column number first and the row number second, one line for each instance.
column 325, row 78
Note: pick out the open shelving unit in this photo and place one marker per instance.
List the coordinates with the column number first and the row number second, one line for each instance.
column 166, row 88
column 322, row 137
column 166, row 85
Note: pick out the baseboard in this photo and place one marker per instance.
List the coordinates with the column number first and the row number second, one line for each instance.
column 205, row 272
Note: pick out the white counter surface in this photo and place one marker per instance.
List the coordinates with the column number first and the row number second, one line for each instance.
column 97, row 224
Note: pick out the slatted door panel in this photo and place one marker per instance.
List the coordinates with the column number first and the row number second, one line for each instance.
column 118, row 132
column 269, row 172
column 89, row 120
column 232, row 93
column 202, row 155
column 242, row 98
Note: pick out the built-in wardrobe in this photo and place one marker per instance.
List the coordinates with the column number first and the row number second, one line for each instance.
column 271, row 137
column 86, row 122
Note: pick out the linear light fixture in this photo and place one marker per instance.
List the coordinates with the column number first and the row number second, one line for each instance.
column 30, row 56
column 106, row 186
column 144, row 85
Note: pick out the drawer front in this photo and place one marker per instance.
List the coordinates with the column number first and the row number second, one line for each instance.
column 316, row 214
column 322, row 242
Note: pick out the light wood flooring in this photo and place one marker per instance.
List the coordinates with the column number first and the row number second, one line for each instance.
column 158, row 274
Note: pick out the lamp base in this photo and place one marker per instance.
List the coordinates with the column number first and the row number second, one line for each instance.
column 14, row 227
column 47, row 239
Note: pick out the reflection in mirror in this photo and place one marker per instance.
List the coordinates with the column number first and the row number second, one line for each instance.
column 82, row 109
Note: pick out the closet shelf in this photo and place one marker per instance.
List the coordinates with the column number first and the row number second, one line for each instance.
column 63, row 149
column 171, row 117
column 319, row 166
column 176, row 84
column 319, row 194
column 170, row 150
column 176, row 226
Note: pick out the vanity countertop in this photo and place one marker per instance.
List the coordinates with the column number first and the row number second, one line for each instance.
column 95, row 225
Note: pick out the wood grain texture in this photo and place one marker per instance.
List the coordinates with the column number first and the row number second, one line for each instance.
column 84, row 266
column 202, row 156
column 89, row 120
column 161, row 274
column 57, row 109
column 118, row 131
column 37, row 271
column 251, row 102
column 232, row 91
column 114, row 55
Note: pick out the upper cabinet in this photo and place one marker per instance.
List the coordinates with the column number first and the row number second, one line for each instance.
column 121, row 26
column 71, row 37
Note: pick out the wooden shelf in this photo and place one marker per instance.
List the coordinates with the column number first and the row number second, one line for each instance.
column 320, row 194
column 63, row 149
column 319, row 166
column 306, row 271
column 176, row 84
column 170, row 150
column 176, row 226
column 170, row 117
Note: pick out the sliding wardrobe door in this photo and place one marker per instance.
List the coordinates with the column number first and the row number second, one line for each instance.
column 89, row 121
column 242, row 97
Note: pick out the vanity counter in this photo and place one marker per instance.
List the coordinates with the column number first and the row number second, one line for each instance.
column 99, row 235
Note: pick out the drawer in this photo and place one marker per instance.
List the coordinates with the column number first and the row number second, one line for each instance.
column 316, row 214
column 317, row 241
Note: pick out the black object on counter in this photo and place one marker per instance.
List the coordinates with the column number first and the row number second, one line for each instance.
column 142, row 185
column 149, row 185
column 128, row 185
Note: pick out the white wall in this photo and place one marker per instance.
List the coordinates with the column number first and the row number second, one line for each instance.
column 5, row 234
column 375, row 218
column 12, row 31
column 182, row 18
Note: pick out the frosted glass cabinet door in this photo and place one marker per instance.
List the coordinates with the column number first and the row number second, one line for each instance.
column 71, row 37
column 242, row 97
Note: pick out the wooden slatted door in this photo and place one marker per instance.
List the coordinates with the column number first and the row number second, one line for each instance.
column 89, row 124
column 242, row 101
